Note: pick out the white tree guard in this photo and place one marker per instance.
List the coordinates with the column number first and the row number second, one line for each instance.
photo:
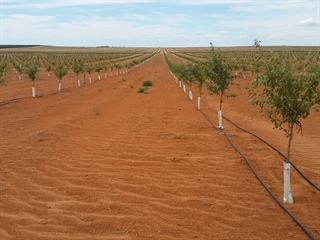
column 287, row 193
column 190, row 95
column 220, row 119
column 184, row 88
column 33, row 92
column 79, row 84
column 59, row 88
column 199, row 101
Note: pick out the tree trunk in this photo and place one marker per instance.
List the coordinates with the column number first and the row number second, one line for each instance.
column 220, row 107
column 290, row 140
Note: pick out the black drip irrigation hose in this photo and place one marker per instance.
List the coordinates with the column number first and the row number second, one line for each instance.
column 18, row 99
column 257, row 175
column 12, row 100
column 264, row 141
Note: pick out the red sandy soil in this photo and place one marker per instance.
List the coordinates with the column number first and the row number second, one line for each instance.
column 105, row 162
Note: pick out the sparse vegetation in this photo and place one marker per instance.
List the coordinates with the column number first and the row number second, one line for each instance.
column 143, row 90
column 147, row 83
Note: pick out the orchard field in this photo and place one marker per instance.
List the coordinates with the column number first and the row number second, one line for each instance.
column 98, row 160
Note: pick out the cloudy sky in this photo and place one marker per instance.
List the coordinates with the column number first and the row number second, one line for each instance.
column 164, row 23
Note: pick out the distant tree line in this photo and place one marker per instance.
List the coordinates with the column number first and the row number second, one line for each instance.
column 18, row 46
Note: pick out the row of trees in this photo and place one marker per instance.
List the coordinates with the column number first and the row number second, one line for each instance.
column 282, row 92
column 60, row 70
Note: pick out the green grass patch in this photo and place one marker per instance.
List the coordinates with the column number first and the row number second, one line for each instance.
column 143, row 90
column 147, row 83
column 122, row 79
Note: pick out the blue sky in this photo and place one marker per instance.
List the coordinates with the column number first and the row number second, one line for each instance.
column 155, row 23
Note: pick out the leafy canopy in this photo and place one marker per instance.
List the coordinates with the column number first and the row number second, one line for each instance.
column 218, row 73
column 60, row 71
column 286, row 96
column 31, row 70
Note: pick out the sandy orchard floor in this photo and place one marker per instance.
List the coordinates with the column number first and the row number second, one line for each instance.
column 104, row 162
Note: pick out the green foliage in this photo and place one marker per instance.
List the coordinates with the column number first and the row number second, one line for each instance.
column 197, row 75
column 218, row 73
column 77, row 67
column 98, row 68
column 31, row 70
column 3, row 67
column 89, row 68
column 60, row 71
column 18, row 68
column 118, row 67
column 285, row 95
column 122, row 79
column 147, row 83
column 133, row 63
column 48, row 67
column 182, row 71
column 143, row 90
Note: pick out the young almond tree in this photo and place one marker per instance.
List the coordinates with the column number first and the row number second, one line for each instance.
column 60, row 71
column 77, row 67
column 111, row 68
column 89, row 68
column 183, row 73
column 18, row 69
column 32, row 70
column 285, row 96
column 106, row 67
column 219, row 78
column 98, row 69
column 118, row 66
column 48, row 67
column 198, row 77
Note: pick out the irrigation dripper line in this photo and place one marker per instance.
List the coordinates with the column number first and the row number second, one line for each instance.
column 255, row 173
column 271, row 146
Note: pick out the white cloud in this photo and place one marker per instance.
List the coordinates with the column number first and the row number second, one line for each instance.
column 309, row 22
column 18, row 4
column 137, row 17
column 24, row 18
